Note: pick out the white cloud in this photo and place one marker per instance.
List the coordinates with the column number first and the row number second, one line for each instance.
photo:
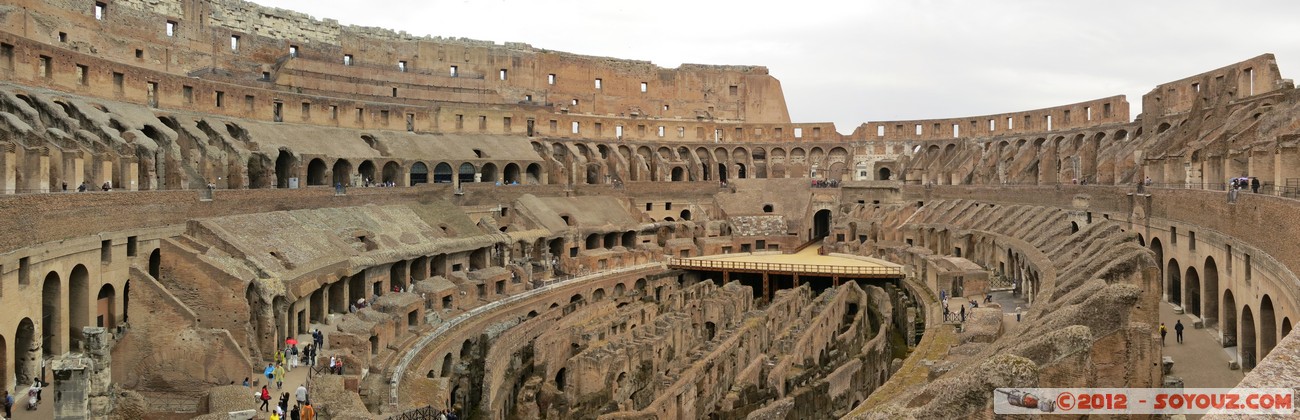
column 850, row 62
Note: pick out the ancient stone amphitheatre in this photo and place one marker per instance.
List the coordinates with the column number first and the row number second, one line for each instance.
column 513, row 232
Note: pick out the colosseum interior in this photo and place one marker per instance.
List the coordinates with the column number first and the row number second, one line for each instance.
column 518, row 233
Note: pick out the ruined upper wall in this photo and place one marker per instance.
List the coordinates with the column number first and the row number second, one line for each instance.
column 1109, row 110
column 246, row 44
column 1256, row 76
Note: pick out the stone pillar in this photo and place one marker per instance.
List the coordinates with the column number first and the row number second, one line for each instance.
column 78, row 173
column 132, row 178
column 38, row 171
column 105, row 174
column 8, row 180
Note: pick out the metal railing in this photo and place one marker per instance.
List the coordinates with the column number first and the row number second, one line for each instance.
column 783, row 267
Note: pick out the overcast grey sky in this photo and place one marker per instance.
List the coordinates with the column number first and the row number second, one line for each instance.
column 849, row 62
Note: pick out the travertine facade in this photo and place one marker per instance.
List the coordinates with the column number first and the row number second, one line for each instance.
column 513, row 266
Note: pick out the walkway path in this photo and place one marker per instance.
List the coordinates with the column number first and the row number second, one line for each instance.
column 1200, row 360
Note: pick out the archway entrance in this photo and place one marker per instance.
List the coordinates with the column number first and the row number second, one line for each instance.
column 283, row 169
column 51, row 307
column 722, row 172
column 466, row 173
column 419, row 173
column 1192, row 292
column 884, row 174
column 1175, row 283
column 1211, row 286
column 1247, row 338
column 534, row 173
column 1229, row 319
column 1267, row 327
column 26, row 354
column 343, row 172
column 78, row 305
column 821, row 224
column 511, row 173
column 740, row 171
column 442, row 173
column 393, row 173
column 105, row 303
column 316, row 172
column 678, row 173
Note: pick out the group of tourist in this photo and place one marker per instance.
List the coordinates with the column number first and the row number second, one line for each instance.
column 825, row 183
column 302, row 410
column 85, row 186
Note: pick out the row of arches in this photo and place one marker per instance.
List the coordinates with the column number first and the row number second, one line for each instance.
column 1253, row 328
column 341, row 172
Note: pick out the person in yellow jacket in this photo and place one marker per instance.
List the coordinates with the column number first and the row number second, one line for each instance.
column 279, row 376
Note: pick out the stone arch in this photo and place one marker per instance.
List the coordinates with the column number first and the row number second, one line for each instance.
column 316, row 172
column 419, row 173
column 534, row 172
column 1267, row 327
column 598, row 295
column 106, row 304
column 285, row 167
column 155, row 263
column 619, row 290
column 678, row 174
column 27, row 354
column 1210, row 293
column 465, row 173
column 1192, row 291
column 1248, row 346
column 393, row 173
column 446, row 365
column 821, row 224
column 1229, row 321
column 883, row 174
column 367, row 171
column 51, row 314
column 1286, row 328
column 511, row 173
column 442, row 173
column 342, row 172
column 1174, row 283
column 489, row 172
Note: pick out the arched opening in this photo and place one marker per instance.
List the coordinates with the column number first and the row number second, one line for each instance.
column 419, row 173
column 1175, row 283
column 78, row 305
column 393, row 173
column 4, row 365
column 883, row 174
column 598, row 295
column 465, row 348
column 374, row 344
column 710, row 330
column 639, row 286
column 593, row 241
column 534, row 173
column 489, row 172
column 620, row 288
column 1074, row 227
column 593, row 173
column 284, row 164
column 1192, row 292
column 446, row 365
column 740, row 171
column 51, row 307
column 397, row 275
column 678, row 174
column 686, row 214
column 26, row 354
column 559, row 379
column 511, row 173
column 442, row 173
column 1286, row 328
column 316, row 172
column 575, row 298
column 1267, row 327
column 629, row 239
column 465, row 173
column 155, row 263
column 367, row 172
column 478, row 259
column 1248, row 349
column 821, row 224
column 106, row 304
column 1158, row 249
column 1229, row 319
column 342, row 172
column 722, row 172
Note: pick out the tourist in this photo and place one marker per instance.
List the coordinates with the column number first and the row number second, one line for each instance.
column 279, row 377
column 108, row 186
column 1178, row 331
column 9, row 405
column 1254, row 185
column 1017, row 314
column 296, row 413
column 301, row 394
column 333, row 363
column 284, row 403
column 319, row 337
column 85, row 185
column 1163, row 333
column 339, row 366
column 308, row 412
column 266, row 399
column 247, row 384
column 963, row 313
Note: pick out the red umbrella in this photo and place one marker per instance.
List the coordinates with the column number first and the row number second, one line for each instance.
column 291, row 341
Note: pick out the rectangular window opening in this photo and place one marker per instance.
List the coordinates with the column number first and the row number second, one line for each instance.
column 454, row 71
column 575, row 127
column 334, row 112
column 250, row 103
column 503, row 74
column 482, row 122
column 347, row 59
column 293, row 50
column 83, row 75
column 550, row 79
column 220, row 99
column 956, row 130
column 234, row 43
column 106, row 251
column 171, row 28
column 7, row 55
column 733, row 90
column 46, row 69
column 24, row 270
column 1048, row 119
column 401, row 66
column 1105, row 110
column 880, row 131
column 187, row 92
column 993, row 125
column 599, row 84
column 306, row 110
column 1087, row 113
column 119, row 83
column 645, row 87
column 131, row 246
column 101, row 9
